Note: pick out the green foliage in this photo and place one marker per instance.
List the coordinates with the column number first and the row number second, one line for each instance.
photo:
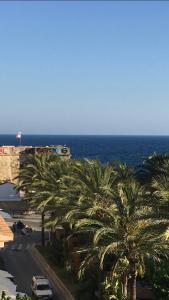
column 157, row 273
column 88, row 285
column 18, row 297
column 123, row 214
column 152, row 166
column 112, row 289
column 25, row 297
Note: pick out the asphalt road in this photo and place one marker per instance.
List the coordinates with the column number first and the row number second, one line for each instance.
column 20, row 263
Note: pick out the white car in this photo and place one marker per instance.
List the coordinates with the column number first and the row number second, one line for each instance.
column 41, row 288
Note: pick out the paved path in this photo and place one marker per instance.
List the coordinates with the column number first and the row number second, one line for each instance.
column 19, row 262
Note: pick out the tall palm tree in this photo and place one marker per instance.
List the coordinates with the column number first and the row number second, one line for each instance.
column 31, row 180
column 106, row 203
column 52, row 194
column 119, row 217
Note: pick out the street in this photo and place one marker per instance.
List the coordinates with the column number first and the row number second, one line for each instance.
column 20, row 263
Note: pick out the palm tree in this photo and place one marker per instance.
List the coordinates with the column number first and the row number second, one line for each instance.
column 119, row 217
column 106, row 204
column 32, row 181
column 160, row 187
column 51, row 194
column 152, row 166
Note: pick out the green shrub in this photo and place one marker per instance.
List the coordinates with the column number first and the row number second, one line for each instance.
column 18, row 297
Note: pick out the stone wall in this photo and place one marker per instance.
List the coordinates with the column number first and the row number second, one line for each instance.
column 10, row 160
column 9, row 167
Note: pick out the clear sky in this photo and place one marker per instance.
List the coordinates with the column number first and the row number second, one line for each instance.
column 84, row 67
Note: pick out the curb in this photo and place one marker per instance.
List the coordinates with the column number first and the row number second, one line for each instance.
column 55, row 280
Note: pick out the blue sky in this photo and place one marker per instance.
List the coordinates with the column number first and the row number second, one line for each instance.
column 84, row 67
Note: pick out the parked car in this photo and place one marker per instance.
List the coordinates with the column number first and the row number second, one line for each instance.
column 41, row 288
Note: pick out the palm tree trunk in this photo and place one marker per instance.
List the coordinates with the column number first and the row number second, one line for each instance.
column 100, row 275
column 125, row 285
column 133, row 282
column 52, row 231
column 43, row 229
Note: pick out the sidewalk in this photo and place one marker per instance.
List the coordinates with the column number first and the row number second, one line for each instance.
column 56, row 282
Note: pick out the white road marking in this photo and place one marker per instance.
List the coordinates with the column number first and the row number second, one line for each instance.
column 13, row 247
column 20, row 247
column 28, row 246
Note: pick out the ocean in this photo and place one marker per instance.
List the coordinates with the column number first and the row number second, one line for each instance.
column 128, row 149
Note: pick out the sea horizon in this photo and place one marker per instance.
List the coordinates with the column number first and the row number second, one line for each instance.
column 52, row 134
column 131, row 149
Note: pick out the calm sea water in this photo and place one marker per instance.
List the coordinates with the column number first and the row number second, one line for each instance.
column 129, row 149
